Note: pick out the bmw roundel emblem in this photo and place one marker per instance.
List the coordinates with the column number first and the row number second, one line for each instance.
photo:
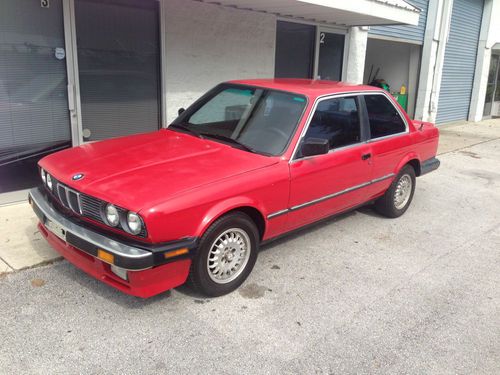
column 77, row 176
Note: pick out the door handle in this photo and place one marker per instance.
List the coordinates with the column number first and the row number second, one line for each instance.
column 366, row 156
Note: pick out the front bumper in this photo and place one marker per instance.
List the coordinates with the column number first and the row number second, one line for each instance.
column 149, row 270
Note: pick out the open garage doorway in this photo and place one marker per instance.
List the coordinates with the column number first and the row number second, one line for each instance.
column 398, row 65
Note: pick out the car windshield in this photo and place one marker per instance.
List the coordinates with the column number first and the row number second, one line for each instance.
column 251, row 118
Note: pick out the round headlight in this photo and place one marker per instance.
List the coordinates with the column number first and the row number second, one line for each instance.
column 112, row 216
column 48, row 179
column 134, row 223
column 43, row 175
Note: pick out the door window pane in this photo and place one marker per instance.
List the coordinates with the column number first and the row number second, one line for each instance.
column 118, row 62
column 383, row 116
column 331, row 54
column 336, row 120
column 294, row 50
column 34, row 118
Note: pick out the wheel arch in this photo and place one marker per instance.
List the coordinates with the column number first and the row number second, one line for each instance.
column 245, row 206
column 410, row 159
column 415, row 163
column 255, row 215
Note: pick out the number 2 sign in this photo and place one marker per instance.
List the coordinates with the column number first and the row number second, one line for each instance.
column 321, row 38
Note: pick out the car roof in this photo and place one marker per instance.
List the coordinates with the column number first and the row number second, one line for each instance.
column 309, row 87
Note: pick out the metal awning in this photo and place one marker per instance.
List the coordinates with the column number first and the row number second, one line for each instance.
column 333, row 12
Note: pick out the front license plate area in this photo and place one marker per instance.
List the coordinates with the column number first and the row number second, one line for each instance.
column 56, row 229
column 38, row 213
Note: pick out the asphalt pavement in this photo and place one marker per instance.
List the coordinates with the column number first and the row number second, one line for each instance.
column 355, row 294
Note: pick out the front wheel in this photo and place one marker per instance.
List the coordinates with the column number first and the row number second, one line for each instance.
column 398, row 197
column 226, row 255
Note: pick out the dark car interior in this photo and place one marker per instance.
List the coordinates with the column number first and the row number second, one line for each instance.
column 336, row 120
column 383, row 116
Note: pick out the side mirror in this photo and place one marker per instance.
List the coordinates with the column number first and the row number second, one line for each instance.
column 315, row 146
column 180, row 111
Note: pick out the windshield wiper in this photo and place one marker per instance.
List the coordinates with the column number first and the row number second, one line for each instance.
column 187, row 129
column 230, row 140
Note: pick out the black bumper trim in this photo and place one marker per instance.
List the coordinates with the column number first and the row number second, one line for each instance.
column 429, row 165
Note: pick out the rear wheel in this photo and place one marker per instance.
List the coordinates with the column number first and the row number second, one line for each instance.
column 398, row 197
column 226, row 255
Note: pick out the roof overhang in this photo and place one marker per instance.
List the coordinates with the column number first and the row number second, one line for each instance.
column 334, row 12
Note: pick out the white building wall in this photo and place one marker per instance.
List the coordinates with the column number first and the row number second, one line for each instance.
column 206, row 44
column 494, row 32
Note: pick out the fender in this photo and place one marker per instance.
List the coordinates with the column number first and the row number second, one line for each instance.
column 223, row 207
column 410, row 156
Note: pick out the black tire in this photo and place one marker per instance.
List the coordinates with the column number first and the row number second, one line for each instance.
column 199, row 275
column 386, row 204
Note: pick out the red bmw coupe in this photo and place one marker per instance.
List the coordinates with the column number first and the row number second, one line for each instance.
column 249, row 161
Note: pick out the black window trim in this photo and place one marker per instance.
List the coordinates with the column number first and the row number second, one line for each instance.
column 364, row 122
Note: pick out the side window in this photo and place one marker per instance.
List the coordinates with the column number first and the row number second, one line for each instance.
column 383, row 116
column 336, row 120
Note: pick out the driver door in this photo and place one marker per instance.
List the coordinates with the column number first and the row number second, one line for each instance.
column 323, row 185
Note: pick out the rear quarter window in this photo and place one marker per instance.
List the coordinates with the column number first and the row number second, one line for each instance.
column 384, row 118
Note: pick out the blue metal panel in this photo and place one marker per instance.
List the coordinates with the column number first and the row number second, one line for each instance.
column 460, row 61
column 414, row 33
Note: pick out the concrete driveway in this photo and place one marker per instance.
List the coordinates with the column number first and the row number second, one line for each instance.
column 356, row 294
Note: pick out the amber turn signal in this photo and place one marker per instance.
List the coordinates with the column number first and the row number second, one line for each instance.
column 105, row 256
column 177, row 252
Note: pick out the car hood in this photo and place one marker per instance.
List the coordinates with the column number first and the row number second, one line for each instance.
column 141, row 170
